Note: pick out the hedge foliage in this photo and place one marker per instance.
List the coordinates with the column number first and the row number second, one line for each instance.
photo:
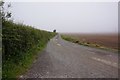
column 18, row 39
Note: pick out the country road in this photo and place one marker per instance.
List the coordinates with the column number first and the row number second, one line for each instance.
column 63, row 59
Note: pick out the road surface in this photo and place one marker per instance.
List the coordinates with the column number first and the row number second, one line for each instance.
column 63, row 59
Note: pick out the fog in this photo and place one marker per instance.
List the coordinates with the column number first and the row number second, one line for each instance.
column 75, row 17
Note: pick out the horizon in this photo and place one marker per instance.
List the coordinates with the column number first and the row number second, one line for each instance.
column 68, row 17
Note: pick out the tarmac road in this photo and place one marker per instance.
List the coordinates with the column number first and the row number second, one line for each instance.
column 63, row 59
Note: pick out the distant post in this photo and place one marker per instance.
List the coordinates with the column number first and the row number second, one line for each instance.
column 54, row 30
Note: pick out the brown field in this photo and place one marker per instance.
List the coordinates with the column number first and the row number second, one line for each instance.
column 106, row 40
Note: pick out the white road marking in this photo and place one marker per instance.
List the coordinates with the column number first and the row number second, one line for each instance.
column 106, row 62
column 59, row 44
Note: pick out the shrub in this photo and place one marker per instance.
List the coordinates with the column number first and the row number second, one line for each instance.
column 18, row 39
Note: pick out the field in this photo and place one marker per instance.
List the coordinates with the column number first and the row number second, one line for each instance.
column 103, row 40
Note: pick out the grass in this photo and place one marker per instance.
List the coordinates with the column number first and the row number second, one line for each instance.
column 13, row 70
column 20, row 46
column 89, row 44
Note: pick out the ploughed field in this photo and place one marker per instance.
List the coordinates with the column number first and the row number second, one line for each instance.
column 106, row 40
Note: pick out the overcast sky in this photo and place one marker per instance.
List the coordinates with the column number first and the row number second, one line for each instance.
column 83, row 17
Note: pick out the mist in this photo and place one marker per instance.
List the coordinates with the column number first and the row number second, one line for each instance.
column 68, row 17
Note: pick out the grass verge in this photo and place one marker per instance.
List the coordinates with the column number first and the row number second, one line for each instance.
column 13, row 70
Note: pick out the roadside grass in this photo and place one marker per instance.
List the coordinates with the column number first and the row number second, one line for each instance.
column 13, row 70
column 20, row 46
column 94, row 45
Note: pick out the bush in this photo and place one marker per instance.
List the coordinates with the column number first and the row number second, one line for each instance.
column 18, row 40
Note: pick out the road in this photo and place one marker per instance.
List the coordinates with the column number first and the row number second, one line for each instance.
column 63, row 59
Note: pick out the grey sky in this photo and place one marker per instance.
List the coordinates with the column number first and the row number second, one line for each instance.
column 83, row 17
